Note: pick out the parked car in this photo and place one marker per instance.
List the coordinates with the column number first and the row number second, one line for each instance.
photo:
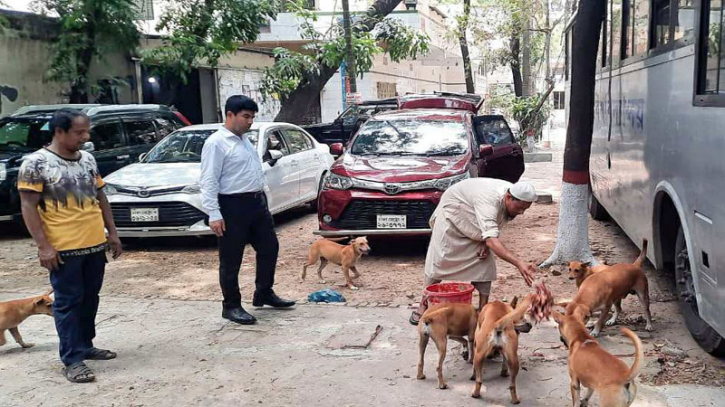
column 119, row 134
column 161, row 196
column 342, row 128
column 392, row 174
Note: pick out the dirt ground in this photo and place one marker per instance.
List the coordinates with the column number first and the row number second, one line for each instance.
column 186, row 269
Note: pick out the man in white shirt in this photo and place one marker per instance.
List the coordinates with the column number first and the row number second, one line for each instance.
column 232, row 185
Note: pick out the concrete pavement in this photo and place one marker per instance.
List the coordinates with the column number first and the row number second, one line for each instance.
column 176, row 353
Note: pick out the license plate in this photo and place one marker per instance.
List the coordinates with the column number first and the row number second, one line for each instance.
column 392, row 222
column 144, row 214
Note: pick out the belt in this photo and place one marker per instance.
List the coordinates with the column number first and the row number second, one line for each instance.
column 256, row 194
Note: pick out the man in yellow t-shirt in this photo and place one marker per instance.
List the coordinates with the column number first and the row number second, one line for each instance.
column 65, row 210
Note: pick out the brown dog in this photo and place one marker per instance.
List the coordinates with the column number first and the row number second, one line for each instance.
column 608, row 287
column 581, row 271
column 594, row 368
column 347, row 256
column 13, row 313
column 497, row 331
column 443, row 321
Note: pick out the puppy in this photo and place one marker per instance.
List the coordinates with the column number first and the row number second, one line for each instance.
column 443, row 321
column 596, row 369
column 608, row 287
column 581, row 271
column 13, row 313
column 497, row 331
column 326, row 250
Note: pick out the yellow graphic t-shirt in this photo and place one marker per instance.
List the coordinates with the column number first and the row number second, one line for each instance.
column 69, row 207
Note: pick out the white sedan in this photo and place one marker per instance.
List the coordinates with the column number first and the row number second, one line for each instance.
column 161, row 196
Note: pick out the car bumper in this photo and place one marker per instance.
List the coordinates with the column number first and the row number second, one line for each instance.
column 354, row 212
column 372, row 232
column 179, row 215
column 200, row 229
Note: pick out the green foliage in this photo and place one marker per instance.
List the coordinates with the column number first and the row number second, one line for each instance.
column 89, row 30
column 523, row 110
column 205, row 31
column 293, row 69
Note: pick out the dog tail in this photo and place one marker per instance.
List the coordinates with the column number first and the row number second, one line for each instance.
column 428, row 318
column 642, row 255
column 514, row 315
column 638, row 354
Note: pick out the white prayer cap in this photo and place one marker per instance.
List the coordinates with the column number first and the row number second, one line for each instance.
column 523, row 191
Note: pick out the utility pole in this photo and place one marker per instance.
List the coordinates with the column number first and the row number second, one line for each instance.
column 348, row 44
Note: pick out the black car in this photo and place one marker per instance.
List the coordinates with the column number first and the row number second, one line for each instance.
column 342, row 128
column 119, row 134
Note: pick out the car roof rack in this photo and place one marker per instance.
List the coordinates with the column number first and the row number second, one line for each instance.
column 44, row 109
column 125, row 108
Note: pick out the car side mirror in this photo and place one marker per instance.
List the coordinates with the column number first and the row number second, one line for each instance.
column 336, row 149
column 274, row 155
column 485, row 150
column 142, row 157
column 88, row 146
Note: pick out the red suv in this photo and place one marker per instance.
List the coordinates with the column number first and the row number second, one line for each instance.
column 392, row 173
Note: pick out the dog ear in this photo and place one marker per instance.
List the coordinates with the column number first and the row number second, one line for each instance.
column 557, row 316
column 514, row 302
column 49, row 292
column 587, row 265
column 582, row 312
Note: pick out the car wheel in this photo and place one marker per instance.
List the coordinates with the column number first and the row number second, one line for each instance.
column 595, row 208
column 313, row 204
column 703, row 333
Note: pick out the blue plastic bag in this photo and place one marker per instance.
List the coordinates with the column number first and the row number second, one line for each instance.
column 326, row 295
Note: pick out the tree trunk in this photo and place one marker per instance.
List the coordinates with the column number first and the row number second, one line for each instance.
column 348, row 45
column 84, row 57
column 462, row 39
column 573, row 236
column 516, row 65
column 526, row 61
column 298, row 103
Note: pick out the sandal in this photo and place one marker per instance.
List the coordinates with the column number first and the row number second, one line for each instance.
column 415, row 317
column 79, row 373
column 100, row 354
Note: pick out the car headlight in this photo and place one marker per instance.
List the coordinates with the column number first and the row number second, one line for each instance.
column 192, row 189
column 445, row 183
column 334, row 181
column 3, row 172
column 110, row 190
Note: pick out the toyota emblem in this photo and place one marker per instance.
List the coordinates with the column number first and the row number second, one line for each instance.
column 143, row 193
column 392, row 189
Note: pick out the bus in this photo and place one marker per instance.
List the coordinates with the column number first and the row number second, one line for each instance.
column 657, row 165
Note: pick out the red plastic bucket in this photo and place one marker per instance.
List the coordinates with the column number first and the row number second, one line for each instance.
column 449, row 292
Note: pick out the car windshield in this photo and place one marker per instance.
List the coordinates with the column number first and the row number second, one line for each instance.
column 411, row 137
column 21, row 134
column 185, row 146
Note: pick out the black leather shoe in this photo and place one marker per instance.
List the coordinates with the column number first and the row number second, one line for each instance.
column 271, row 299
column 239, row 315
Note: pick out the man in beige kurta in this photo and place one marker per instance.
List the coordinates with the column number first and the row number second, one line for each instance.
column 466, row 227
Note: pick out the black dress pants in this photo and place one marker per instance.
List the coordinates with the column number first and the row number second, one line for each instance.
column 248, row 221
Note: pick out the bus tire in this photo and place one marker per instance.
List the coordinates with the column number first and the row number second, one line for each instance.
column 704, row 334
column 596, row 209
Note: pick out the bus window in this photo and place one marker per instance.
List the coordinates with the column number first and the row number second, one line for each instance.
column 641, row 26
column 616, row 32
column 660, row 23
column 627, row 26
column 684, row 18
column 712, row 75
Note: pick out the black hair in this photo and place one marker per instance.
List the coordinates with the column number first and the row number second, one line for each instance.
column 237, row 103
column 63, row 119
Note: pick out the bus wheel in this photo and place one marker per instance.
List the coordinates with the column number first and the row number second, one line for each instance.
column 596, row 209
column 703, row 333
